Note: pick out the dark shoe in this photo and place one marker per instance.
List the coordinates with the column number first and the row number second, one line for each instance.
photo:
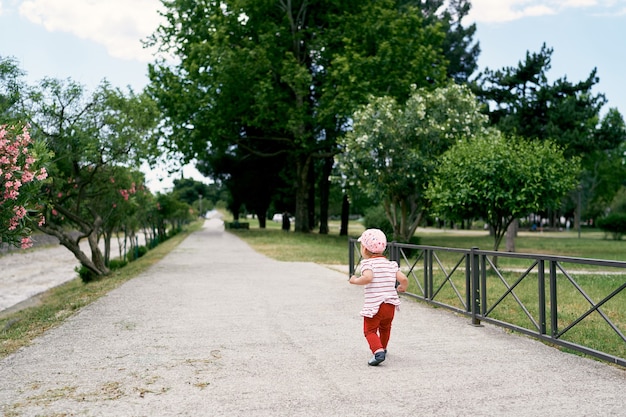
column 376, row 359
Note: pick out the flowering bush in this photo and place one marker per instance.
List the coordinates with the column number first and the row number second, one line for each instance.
column 20, row 172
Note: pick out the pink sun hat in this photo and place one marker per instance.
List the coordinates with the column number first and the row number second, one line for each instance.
column 374, row 240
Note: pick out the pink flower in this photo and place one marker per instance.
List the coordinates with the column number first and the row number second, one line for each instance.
column 27, row 176
column 26, row 243
column 20, row 212
column 43, row 174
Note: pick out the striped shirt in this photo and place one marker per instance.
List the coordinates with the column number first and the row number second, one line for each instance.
column 382, row 288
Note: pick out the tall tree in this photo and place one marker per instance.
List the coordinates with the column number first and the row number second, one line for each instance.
column 284, row 76
column 11, row 86
column 91, row 137
column 521, row 101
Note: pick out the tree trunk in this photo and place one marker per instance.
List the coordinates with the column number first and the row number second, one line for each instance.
column 511, row 232
column 262, row 219
column 108, row 235
column 345, row 215
column 311, row 196
column 325, row 195
column 96, row 253
column 302, row 194
column 95, row 264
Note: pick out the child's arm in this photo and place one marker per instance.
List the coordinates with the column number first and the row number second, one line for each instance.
column 366, row 277
column 403, row 280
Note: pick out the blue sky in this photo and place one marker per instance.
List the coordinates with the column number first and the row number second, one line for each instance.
column 92, row 40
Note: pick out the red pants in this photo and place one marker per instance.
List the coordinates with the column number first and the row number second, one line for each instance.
column 378, row 328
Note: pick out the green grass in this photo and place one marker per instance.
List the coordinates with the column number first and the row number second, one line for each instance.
column 591, row 245
column 278, row 244
column 20, row 328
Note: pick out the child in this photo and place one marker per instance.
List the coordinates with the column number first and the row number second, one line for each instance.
column 379, row 275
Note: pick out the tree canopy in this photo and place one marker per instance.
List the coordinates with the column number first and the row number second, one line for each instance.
column 500, row 179
column 393, row 150
column 265, row 78
column 98, row 142
column 521, row 101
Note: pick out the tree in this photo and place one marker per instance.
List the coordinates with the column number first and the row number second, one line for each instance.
column 11, row 86
column 603, row 169
column 283, row 77
column 500, row 179
column 21, row 174
column 91, row 137
column 197, row 194
column 392, row 151
column 520, row 101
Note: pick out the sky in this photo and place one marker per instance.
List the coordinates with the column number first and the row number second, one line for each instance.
column 92, row 40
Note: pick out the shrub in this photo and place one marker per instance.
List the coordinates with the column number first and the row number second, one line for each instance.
column 614, row 224
column 116, row 264
column 86, row 275
column 375, row 218
column 142, row 250
column 137, row 253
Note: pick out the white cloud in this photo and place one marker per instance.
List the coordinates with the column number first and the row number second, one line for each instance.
column 494, row 11
column 118, row 25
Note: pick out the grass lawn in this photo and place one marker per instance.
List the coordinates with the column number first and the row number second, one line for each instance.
column 333, row 249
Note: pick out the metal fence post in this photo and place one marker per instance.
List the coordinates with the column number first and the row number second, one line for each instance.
column 428, row 274
column 554, row 324
column 475, row 288
column 541, row 276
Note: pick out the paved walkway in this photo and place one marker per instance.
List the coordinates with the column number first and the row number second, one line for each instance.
column 216, row 329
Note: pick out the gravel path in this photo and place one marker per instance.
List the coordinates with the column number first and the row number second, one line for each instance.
column 216, row 329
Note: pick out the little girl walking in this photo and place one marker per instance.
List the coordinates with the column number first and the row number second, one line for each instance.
column 379, row 275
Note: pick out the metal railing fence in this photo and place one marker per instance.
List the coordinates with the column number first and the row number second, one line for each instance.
column 575, row 303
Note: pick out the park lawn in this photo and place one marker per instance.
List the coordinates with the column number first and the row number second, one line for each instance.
column 333, row 249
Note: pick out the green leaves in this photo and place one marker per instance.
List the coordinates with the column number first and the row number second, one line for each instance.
column 500, row 179
column 393, row 150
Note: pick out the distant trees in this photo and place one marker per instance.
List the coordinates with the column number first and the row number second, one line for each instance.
column 196, row 193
